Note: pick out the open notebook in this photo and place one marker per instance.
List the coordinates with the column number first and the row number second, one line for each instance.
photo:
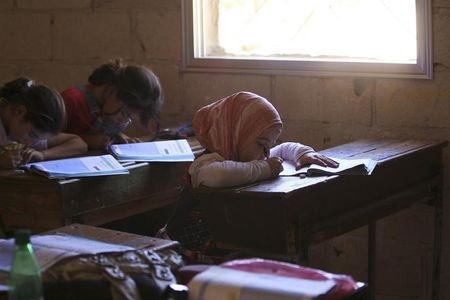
column 363, row 166
column 162, row 151
column 78, row 167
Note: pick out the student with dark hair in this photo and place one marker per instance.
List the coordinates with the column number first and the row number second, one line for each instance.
column 115, row 96
column 33, row 116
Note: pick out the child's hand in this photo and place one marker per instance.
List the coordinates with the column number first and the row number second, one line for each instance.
column 31, row 155
column 10, row 159
column 276, row 166
column 125, row 139
column 97, row 140
column 315, row 158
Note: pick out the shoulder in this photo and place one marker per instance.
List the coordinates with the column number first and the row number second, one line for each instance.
column 73, row 95
column 75, row 101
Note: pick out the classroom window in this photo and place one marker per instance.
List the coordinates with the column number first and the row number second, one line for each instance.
column 369, row 38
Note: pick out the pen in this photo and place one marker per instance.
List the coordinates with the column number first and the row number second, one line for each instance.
column 245, row 187
column 127, row 163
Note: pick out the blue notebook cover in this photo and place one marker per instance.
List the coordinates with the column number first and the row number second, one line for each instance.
column 78, row 167
column 159, row 151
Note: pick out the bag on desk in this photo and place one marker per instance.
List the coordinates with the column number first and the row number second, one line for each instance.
column 257, row 278
column 149, row 270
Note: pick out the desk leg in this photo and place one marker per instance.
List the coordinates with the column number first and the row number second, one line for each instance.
column 437, row 244
column 303, row 255
column 372, row 258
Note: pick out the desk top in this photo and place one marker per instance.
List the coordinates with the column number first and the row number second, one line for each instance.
column 115, row 237
column 270, row 215
column 21, row 175
column 382, row 150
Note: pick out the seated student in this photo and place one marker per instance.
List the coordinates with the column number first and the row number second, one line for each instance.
column 33, row 115
column 238, row 133
column 116, row 95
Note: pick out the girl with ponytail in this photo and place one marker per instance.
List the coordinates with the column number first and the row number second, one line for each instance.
column 31, row 119
column 115, row 96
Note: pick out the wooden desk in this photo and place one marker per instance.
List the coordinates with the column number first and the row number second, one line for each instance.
column 32, row 201
column 38, row 203
column 287, row 214
column 35, row 202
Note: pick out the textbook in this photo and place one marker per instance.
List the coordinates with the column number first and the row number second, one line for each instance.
column 363, row 166
column 78, row 167
column 159, row 151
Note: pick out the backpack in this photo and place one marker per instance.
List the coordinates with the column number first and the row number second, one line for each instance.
column 135, row 274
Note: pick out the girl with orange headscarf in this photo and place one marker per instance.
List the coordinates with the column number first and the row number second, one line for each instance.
column 238, row 133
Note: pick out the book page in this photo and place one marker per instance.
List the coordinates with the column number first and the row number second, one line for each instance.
column 346, row 166
column 100, row 163
column 289, row 169
column 226, row 284
column 366, row 166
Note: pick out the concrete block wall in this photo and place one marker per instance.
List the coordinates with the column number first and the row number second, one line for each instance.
column 58, row 42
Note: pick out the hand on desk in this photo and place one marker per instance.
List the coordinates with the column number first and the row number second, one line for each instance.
column 122, row 138
column 276, row 166
column 96, row 140
column 315, row 158
column 31, row 155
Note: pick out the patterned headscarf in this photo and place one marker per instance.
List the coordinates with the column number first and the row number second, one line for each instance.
column 230, row 123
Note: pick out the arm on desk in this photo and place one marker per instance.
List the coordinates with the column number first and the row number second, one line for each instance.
column 212, row 170
column 59, row 146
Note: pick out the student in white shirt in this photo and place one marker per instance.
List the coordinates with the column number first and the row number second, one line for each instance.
column 33, row 116
column 238, row 133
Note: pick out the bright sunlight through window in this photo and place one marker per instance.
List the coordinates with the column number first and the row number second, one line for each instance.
column 348, row 29
column 384, row 38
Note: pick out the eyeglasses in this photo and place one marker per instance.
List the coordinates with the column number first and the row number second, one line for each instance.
column 109, row 127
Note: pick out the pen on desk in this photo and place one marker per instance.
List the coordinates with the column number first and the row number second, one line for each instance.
column 127, row 163
column 245, row 187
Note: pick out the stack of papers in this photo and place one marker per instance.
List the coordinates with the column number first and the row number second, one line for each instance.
column 160, row 151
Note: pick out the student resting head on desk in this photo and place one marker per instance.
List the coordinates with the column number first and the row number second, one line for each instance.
column 238, row 133
column 115, row 96
column 32, row 116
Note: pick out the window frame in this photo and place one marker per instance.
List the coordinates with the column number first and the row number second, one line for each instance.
column 423, row 69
